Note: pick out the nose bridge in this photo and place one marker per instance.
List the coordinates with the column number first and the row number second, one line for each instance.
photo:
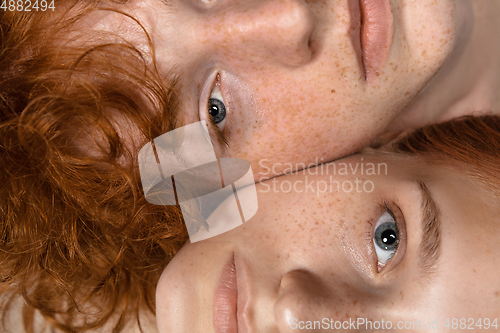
column 306, row 303
column 262, row 29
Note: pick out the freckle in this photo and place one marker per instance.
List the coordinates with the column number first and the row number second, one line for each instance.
column 333, row 91
column 354, row 302
column 402, row 296
column 497, row 293
column 474, row 270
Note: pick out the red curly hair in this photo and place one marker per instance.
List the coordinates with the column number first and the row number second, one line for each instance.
column 469, row 143
column 78, row 241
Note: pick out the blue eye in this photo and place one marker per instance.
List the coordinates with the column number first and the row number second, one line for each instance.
column 217, row 108
column 386, row 238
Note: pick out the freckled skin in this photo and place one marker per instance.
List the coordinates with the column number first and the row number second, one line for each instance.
column 293, row 69
column 310, row 256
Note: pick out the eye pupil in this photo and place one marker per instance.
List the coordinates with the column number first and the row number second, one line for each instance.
column 389, row 237
column 213, row 110
column 217, row 110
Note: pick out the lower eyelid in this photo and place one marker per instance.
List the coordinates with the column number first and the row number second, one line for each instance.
column 400, row 253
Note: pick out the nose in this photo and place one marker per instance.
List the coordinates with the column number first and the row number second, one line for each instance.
column 301, row 298
column 304, row 297
column 277, row 30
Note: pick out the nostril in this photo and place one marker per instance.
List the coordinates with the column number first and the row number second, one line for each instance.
column 298, row 276
column 305, row 25
column 292, row 278
column 291, row 26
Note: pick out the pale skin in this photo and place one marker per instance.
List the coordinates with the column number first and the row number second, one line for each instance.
column 296, row 93
column 291, row 75
column 309, row 256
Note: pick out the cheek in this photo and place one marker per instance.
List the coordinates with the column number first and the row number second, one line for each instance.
column 429, row 33
column 287, row 125
column 318, row 222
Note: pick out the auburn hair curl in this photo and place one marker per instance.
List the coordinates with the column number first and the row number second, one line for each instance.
column 470, row 144
column 78, row 241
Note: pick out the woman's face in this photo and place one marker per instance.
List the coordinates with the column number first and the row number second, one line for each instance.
column 408, row 242
column 301, row 81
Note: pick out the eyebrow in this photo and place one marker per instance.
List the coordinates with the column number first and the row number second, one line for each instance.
column 430, row 245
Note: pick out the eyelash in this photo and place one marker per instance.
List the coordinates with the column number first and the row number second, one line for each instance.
column 371, row 233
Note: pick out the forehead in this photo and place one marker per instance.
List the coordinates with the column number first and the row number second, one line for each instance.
column 105, row 22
